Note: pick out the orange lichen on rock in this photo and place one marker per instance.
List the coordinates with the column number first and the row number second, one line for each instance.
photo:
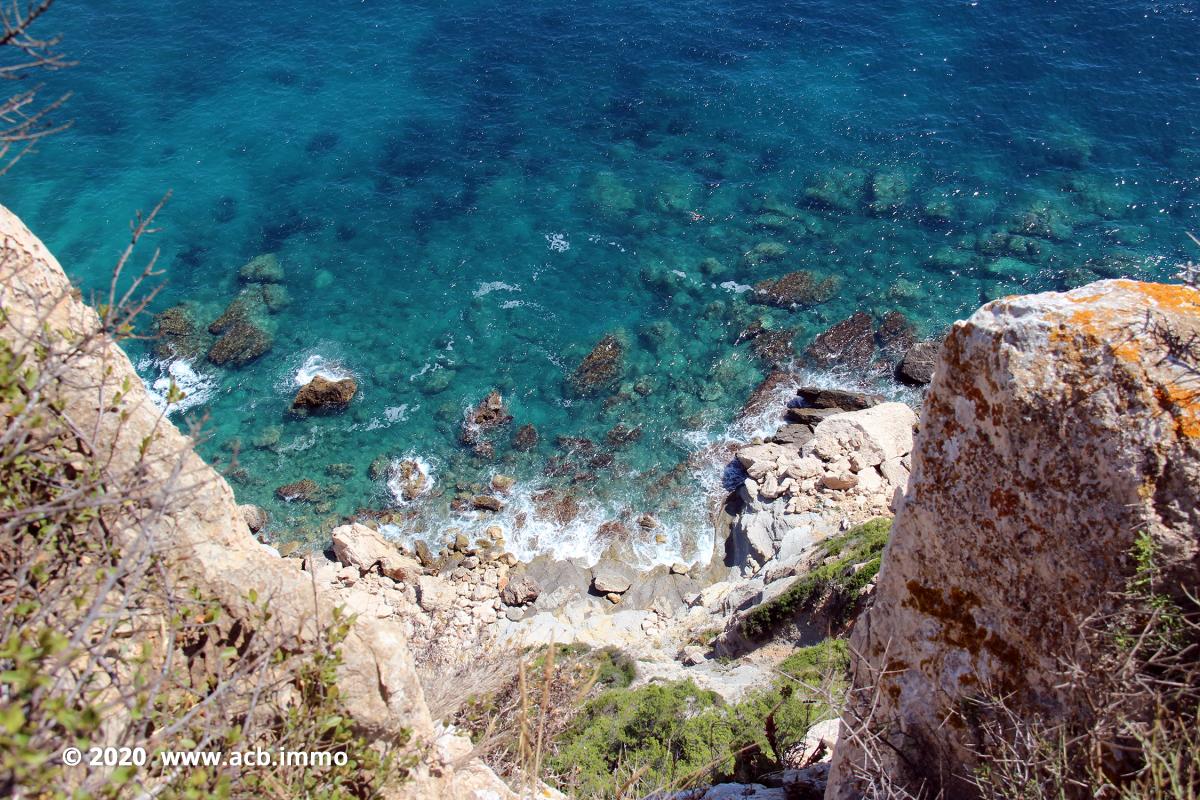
column 1172, row 296
column 1184, row 406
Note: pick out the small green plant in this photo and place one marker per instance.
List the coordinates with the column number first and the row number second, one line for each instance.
column 837, row 582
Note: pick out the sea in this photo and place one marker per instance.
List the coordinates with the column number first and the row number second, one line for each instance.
column 469, row 197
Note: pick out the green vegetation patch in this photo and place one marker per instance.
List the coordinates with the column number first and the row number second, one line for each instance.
column 837, row 580
column 672, row 735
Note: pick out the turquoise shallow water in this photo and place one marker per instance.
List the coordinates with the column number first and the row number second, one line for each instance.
column 469, row 196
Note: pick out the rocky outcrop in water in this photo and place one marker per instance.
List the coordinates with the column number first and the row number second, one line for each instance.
column 1057, row 429
column 323, row 396
column 800, row 289
column 600, row 369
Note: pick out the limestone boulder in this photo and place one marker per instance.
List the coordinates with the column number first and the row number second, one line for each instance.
column 610, row 576
column 1058, row 428
column 358, row 546
column 870, row 436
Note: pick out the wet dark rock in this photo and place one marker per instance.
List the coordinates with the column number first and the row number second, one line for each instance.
column 600, row 369
column 481, row 424
column 849, row 343
column 918, row 364
column 485, row 502
column 323, row 396
column 407, row 476
column 819, row 397
column 302, row 491
column 800, row 289
column 526, row 438
column 240, row 344
column 622, row 435
column 378, row 469
column 613, row 530
column 793, row 433
column 555, row 506
column 178, row 335
column 766, row 394
column 810, row 416
column 774, row 348
column 895, row 333
column 647, row 522
column 491, row 412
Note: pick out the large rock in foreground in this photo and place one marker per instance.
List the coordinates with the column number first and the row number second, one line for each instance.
column 1057, row 427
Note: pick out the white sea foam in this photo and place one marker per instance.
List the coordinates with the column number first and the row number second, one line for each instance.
column 395, row 484
column 735, row 287
column 316, row 365
column 494, row 286
column 197, row 386
column 557, row 242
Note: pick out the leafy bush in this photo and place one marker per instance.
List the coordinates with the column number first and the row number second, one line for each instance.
column 836, row 582
column 635, row 741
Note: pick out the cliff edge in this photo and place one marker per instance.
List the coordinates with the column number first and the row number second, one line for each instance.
column 1059, row 428
column 205, row 535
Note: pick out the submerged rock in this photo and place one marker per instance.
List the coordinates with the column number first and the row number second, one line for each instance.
column 1028, row 495
column 800, row 289
column 241, row 344
column 849, row 343
column 301, row 491
column 262, row 269
column 838, row 189
column 764, row 252
column 321, row 395
column 243, row 336
column 600, row 369
column 177, row 334
column 526, row 438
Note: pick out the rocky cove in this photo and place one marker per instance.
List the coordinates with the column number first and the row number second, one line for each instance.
column 1056, row 446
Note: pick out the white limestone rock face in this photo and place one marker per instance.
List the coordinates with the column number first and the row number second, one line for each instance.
column 852, row 469
column 356, row 545
column 1057, row 427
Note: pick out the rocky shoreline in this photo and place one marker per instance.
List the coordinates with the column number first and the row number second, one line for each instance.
column 839, row 459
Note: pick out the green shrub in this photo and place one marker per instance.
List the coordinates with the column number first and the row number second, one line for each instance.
column 836, row 580
column 675, row 734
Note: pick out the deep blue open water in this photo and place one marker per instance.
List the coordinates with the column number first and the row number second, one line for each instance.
column 467, row 196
